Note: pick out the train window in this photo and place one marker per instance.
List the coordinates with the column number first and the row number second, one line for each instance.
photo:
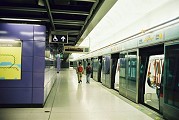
column 95, row 65
column 122, row 70
column 171, row 86
column 132, row 70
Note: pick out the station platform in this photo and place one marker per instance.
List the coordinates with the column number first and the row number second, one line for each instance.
column 70, row 100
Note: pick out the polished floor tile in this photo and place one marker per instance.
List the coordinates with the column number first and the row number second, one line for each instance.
column 70, row 100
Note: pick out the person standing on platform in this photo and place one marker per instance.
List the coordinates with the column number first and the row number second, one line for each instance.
column 88, row 73
column 79, row 72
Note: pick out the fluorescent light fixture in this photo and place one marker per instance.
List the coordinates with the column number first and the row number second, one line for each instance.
column 8, row 39
column 31, row 33
column 19, row 19
column 41, row 3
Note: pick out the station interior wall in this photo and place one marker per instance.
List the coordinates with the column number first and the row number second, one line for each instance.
column 34, row 85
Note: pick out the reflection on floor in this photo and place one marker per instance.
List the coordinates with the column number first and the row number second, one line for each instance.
column 152, row 100
column 69, row 100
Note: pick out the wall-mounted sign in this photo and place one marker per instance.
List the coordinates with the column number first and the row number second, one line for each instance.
column 59, row 39
column 10, row 60
column 151, row 38
column 74, row 49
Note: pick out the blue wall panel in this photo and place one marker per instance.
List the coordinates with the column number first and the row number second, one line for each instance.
column 27, row 63
column 15, row 95
column 39, row 48
column 39, row 64
column 38, row 79
column 38, row 95
column 26, row 81
column 27, row 49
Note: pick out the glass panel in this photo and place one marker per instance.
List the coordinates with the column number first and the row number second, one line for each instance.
column 107, row 63
column 171, row 86
column 103, row 70
column 95, row 68
column 85, row 64
column 122, row 70
column 95, row 65
column 132, row 70
column 103, row 65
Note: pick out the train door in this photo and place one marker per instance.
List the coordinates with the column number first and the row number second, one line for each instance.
column 132, row 75
column 95, row 69
column 114, row 71
column 103, row 70
column 122, row 75
column 106, row 71
column 171, row 82
column 92, row 65
column 84, row 65
column 99, row 68
column 128, row 80
column 151, row 69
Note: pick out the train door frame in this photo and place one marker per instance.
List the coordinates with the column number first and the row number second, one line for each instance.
column 144, row 55
column 114, row 60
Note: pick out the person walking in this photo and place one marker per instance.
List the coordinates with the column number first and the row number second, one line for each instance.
column 79, row 72
column 88, row 73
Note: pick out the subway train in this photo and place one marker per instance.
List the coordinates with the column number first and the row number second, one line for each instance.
column 144, row 69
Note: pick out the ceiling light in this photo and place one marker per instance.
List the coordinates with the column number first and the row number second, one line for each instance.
column 41, row 3
column 19, row 19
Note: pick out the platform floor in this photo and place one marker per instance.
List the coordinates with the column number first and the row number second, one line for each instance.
column 70, row 100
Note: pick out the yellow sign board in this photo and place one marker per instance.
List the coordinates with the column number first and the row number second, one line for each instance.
column 74, row 49
column 10, row 60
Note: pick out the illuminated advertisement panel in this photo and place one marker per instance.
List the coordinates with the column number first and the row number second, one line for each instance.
column 10, row 60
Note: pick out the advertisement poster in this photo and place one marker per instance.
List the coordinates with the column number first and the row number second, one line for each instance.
column 10, row 60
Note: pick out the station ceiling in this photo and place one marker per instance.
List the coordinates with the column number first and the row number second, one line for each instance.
column 60, row 16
